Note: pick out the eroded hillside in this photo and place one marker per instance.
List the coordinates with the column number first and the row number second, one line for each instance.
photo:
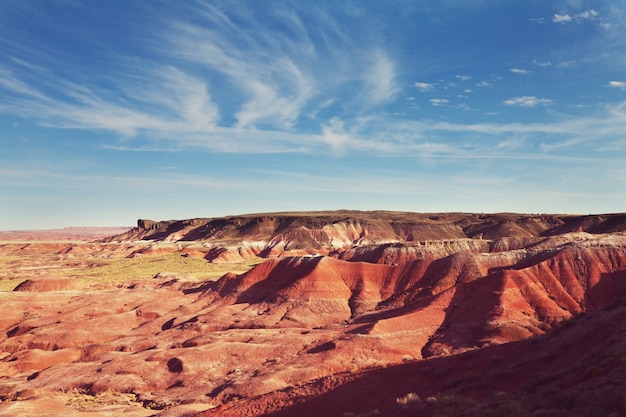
column 313, row 305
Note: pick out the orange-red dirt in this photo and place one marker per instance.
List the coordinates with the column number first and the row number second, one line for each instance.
column 349, row 312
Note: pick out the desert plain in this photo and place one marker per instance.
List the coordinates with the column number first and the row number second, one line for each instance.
column 341, row 313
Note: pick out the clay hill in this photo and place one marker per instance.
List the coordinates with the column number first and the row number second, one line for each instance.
column 321, row 314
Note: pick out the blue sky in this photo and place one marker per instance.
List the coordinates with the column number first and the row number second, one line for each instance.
column 114, row 110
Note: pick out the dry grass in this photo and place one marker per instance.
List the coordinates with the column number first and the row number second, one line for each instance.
column 9, row 284
column 115, row 270
column 5, row 260
column 8, row 280
column 108, row 403
column 109, row 268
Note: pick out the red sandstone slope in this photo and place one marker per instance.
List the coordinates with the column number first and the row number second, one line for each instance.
column 575, row 370
column 454, row 303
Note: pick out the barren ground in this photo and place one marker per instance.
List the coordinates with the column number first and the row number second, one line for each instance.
column 343, row 313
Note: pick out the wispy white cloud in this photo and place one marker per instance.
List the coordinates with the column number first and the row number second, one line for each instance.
column 182, row 104
column 280, row 72
column 618, row 84
column 567, row 18
column 527, row 101
column 168, row 179
column 562, row 18
column 512, row 143
column 335, row 135
column 519, row 71
column 266, row 104
column 183, row 112
column 464, row 106
column 269, row 82
column 605, row 126
column 275, row 87
column 587, row 14
column 565, row 64
column 439, row 101
column 15, row 85
column 542, row 64
column 425, row 86
column 380, row 80
column 279, row 80
column 190, row 99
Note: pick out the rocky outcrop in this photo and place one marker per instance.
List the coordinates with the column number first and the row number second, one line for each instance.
column 339, row 228
column 45, row 284
column 343, row 233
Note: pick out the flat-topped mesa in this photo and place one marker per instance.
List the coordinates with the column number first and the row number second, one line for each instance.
column 147, row 224
column 330, row 230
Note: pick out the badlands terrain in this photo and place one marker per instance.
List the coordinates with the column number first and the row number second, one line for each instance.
column 340, row 313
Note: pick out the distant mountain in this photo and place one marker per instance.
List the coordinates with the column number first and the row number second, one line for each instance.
column 67, row 234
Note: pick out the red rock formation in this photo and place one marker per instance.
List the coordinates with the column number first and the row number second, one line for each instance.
column 45, row 284
column 576, row 368
column 334, row 322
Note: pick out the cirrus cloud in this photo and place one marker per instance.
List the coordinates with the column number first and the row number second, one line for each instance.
column 425, row 86
column 527, row 101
